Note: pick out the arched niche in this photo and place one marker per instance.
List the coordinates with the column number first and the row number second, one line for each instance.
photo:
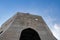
column 29, row 34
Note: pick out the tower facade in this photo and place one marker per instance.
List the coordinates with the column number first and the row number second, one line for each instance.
column 23, row 24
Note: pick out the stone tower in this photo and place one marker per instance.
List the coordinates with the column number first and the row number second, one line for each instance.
column 12, row 29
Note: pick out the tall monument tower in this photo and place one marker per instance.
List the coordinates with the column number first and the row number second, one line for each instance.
column 24, row 26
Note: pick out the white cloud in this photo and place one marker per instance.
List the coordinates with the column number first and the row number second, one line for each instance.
column 51, row 22
column 56, row 31
column 55, row 28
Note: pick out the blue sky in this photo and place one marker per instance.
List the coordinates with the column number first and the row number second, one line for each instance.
column 48, row 9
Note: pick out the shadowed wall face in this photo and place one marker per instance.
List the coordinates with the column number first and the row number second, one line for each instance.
column 29, row 34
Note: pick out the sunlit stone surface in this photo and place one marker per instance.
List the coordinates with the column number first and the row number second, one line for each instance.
column 12, row 28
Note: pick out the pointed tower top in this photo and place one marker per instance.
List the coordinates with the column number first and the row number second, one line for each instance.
column 13, row 27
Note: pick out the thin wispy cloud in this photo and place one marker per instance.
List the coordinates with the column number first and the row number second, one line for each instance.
column 51, row 22
column 48, row 9
column 56, row 31
column 54, row 27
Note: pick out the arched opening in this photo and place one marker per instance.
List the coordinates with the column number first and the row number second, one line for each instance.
column 29, row 34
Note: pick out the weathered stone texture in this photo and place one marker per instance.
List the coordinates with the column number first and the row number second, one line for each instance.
column 14, row 26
